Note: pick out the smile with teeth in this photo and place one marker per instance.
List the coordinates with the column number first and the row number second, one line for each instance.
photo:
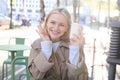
column 55, row 32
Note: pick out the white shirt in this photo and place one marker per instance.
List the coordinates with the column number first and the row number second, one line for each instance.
column 47, row 47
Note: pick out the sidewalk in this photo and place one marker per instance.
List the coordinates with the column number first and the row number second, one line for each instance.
column 95, row 58
column 95, row 55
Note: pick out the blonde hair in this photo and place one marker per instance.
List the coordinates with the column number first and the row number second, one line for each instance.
column 65, row 13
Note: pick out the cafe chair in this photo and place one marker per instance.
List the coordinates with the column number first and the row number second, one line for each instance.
column 26, row 72
column 18, row 54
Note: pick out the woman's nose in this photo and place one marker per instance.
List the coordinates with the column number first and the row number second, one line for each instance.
column 56, row 27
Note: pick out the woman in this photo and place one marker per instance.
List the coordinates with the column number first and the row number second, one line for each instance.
column 54, row 56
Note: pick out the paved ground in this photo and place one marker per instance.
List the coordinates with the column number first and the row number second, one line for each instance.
column 95, row 57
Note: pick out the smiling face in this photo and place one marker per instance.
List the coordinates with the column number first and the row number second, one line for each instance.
column 56, row 26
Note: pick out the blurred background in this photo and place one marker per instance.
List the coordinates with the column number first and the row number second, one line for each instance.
column 19, row 18
column 93, row 13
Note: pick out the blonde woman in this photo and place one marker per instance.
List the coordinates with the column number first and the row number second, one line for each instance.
column 55, row 56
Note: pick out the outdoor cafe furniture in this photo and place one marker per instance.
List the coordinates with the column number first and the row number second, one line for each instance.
column 14, row 40
column 13, row 49
column 23, row 74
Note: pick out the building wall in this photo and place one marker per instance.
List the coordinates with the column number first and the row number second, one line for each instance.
column 30, row 8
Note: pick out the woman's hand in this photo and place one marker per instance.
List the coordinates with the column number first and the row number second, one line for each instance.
column 77, row 39
column 43, row 33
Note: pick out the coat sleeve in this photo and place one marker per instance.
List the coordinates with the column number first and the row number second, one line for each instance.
column 78, row 72
column 38, row 64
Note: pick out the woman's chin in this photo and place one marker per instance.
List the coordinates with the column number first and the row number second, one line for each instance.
column 54, row 39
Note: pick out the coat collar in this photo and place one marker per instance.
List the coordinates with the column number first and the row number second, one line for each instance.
column 37, row 44
column 64, row 44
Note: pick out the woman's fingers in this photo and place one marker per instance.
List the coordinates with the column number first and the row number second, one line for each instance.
column 43, row 34
column 77, row 40
column 77, row 37
column 39, row 31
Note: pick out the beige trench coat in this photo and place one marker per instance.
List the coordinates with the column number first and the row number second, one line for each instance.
column 42, row 69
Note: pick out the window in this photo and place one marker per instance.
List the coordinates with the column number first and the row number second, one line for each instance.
column 29, row 10
column 21, row 10
column 13, row 9
column 37, row 11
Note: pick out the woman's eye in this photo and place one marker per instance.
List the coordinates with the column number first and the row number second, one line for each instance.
column 52, row 22
column 61, row 25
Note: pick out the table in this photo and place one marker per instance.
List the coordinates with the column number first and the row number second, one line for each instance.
column 12, row 49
